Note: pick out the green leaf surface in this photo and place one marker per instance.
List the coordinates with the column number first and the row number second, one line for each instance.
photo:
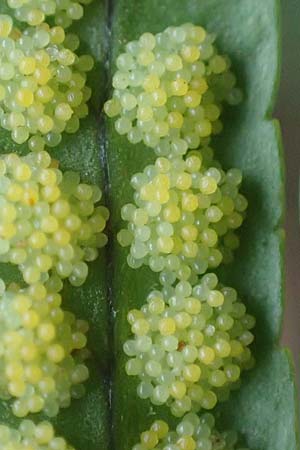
column 263, row 410
column 86, row 423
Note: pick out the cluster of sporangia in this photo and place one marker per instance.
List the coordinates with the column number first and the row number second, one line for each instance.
column 191, row 338
column 50, row 223
column 42, row 83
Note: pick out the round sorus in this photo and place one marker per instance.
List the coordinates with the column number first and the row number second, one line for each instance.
column 185, row 215
column 43, row 88
column 42, row 351
column 190, row 344
column 192, row 433
column 29, row 435
column 34, row 12
column 50, row 222
column 169, row 89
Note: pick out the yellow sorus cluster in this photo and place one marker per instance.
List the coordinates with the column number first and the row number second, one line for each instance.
column 41, row 352
column 169, row 89
column 43, row 88
column 31, row 436
column 49, row 220
column 34, row 12
column 185, row 214
column 192, row 433
column 190, row 344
